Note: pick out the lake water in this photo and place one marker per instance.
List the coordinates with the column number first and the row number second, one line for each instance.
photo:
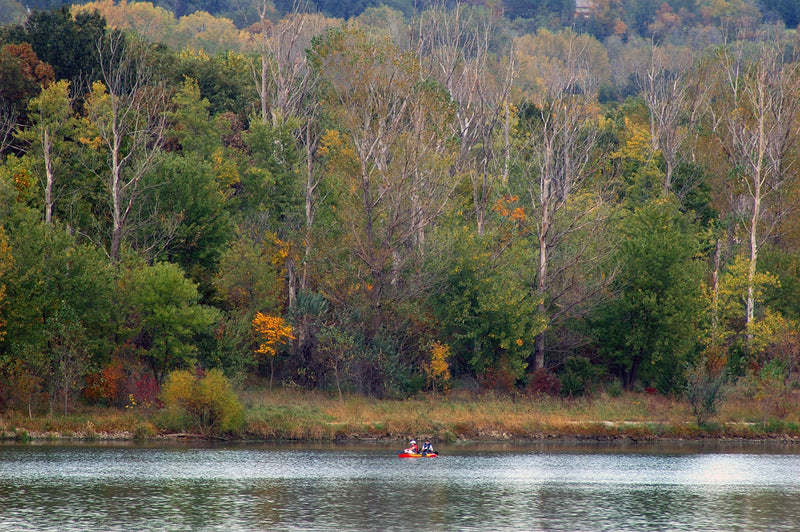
column 366, row 487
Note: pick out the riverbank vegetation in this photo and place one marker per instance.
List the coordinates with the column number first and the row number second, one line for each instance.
column 312, row 416
column 459, row 220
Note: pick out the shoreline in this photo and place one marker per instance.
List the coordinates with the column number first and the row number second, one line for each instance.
column 294, row 416
column 21, row 435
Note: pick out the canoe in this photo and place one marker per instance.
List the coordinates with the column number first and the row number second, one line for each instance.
column 404, row 454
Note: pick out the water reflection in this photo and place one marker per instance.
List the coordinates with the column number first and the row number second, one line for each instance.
column 268, row 487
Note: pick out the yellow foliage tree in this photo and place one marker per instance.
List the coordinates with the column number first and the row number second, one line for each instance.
column 727, row 304
column 546, row 62
column 206, row 399
column 203, row 31
column 154, row 23
column 271, row 332
column 438, row 370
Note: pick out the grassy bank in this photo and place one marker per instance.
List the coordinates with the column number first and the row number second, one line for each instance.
column 302, row 415
column 289, row 415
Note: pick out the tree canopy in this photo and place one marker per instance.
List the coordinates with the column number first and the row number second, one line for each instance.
column 390, row 199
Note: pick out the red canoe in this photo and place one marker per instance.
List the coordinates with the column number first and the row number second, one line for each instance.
column 417, row 455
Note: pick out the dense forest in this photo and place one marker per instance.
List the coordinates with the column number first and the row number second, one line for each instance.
column 389, row 199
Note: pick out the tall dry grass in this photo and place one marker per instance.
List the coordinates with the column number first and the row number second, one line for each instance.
column 87, row 423
column 292, row 414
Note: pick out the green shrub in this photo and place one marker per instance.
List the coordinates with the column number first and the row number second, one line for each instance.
column 579, row 377
column 777, row 426
column 614, row 388
column 705, row 392
column 141, row 433
column 206, row 401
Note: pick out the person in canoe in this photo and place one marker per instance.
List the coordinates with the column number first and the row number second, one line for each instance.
column 427, row 448
column 412, row 449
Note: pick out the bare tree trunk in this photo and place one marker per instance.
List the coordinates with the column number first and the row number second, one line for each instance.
column 47, row 148
column 751, row 267
column 131, row 125
column 338, row 383
column 50, row 116
column 453, row 46
column 664, row 90
column 561, row 147
column 761, row 129
column 271, row 370
column 9, row 120
column 310, row 203
column 117, row 189
column 291, row 272
column 397, row 133
column 542, row 274
column 262, row 87
column 284, row 79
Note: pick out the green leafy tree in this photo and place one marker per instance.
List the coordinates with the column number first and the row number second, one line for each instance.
column 579, row 376
column 250, row 274
column 787, row 10
column 344, row 9
column 67, row 346
column 191, row 125
column 250, row 278
column 335, row 356
column 737, row 342
column 188, row 220
column 391, row 158
column 126, row 118
column 705, row 391
column 223, row 78
column 50, row 114
column 69, row 44
column 51, row 268
column 164, row 316
column 270, row 182
column 6, row 262
column 22, row 76
column 547, row 10
column 783, row 295
column 52, row 282
column 486, row 311
column 651, row 328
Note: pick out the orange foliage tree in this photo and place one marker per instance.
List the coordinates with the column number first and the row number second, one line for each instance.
column 271, row 332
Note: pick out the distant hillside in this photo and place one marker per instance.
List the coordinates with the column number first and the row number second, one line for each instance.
column 11, row 12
